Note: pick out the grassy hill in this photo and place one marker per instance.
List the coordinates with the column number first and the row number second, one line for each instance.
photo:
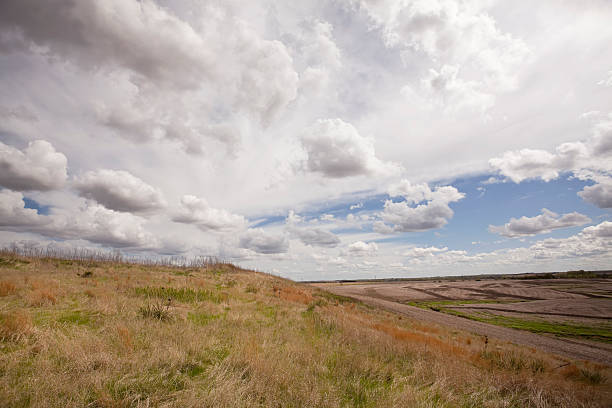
column 112, row 334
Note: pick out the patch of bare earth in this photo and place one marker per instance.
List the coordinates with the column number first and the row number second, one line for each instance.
column 583, row 300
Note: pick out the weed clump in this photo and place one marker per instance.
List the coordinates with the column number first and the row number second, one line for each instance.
column 157, row 310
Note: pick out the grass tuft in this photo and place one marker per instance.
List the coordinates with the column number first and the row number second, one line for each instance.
column 157, row 310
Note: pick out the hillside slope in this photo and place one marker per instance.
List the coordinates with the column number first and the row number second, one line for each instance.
column 104, row 334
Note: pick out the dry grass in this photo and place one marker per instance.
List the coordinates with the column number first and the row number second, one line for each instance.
column 41, row 297
column 244, row 339
column 7, row 288
column 15, row 325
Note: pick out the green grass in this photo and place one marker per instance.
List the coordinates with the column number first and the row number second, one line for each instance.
column 437, row 305
column 598, row 333
column 77, row 317
column 202, row 318
column 184, row 295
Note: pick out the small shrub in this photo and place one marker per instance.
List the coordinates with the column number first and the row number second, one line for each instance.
column 86, row 274
column 592, row 377
column 157, row 311
column 251, row 289
column 7, row 288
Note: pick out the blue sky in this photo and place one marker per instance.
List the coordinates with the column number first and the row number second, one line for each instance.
column 314, row 139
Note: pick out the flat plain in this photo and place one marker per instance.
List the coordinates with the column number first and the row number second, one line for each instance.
column 568, row 316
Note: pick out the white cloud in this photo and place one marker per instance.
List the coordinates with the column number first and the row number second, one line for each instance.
column 100, row 225
column 607, row 82
column 589, row 160
column 319, row 52
column 525, row 164
column 13, row 214
column 540, row 224
column 138, row 35
column 196, row 211
column 185, row 82
column 599, row 194
column 361, row 248
column 316, row 237
column 37, row 167
column 335, row 149
column 260, row 241
column 455, row 93
column 457, row 36
column 603, row 230
column 433, row 213
column 424, row 252
column 119, row 190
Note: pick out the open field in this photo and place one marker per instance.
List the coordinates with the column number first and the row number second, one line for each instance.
column 110, row 334
column 576, row 314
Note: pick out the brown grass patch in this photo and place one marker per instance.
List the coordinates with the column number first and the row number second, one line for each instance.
column 414, row 337
column 14, row 325
column 125, row 338
column 41, row 297
column 292, row 294
column 7, row 288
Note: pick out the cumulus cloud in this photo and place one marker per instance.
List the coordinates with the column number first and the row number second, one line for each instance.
column 592, row 242
column 455, row 93
column 598, row 194
column 169, row 62
column 457, row 36
column 318, row 51
column 119, row 190
column 196, row 211
column 424, row 252
column 92, row 222
column 15, row 216
column 361, row 248
column 434, row 212
column 139, row 35
column 540, row 224
column 310, row 236
column 316, row 237
column 101, row 225
column 593, row 154
column 335, row 149
column 607, row 82
column 588, row 160
column 37, row 167
column 260, row 241
column 530, row 164
column 603, row 230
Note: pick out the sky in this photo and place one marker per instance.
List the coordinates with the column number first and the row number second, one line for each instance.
column 331, row 139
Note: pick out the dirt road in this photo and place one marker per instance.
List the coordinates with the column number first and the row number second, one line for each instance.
column 571, row 348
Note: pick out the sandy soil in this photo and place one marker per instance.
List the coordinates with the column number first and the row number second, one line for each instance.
column 579, row 298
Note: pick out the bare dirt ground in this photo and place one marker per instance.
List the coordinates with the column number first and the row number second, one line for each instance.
column 584, row 300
